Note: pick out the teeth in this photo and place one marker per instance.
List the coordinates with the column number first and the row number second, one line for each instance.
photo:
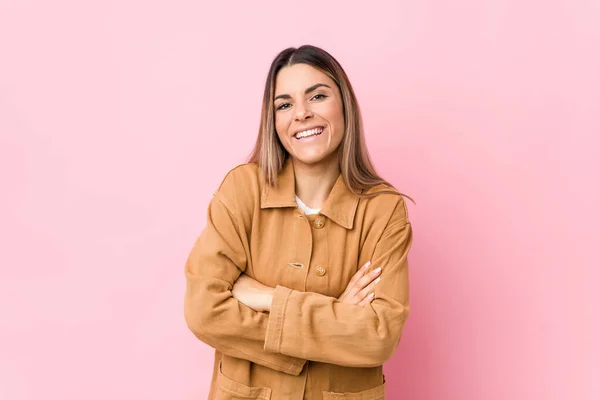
column 309, row 132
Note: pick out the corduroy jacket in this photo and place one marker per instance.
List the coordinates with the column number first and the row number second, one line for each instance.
column 310, row 346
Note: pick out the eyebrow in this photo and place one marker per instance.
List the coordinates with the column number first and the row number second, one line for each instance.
column 310, row 89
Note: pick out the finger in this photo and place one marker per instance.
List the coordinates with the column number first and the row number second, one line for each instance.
column 367, row 300
column 365, row 292
column 367, row 279
column 359, row 274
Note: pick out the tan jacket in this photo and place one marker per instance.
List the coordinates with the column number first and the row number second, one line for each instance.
column 310, row 346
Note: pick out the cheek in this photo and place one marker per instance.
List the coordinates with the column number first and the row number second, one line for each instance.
column 281, row 125
column 336, row 117
column 332, row 111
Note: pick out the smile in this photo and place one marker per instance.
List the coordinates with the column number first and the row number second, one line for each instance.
column 309, row 132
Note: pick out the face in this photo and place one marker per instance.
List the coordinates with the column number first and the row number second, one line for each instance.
column 309, row 116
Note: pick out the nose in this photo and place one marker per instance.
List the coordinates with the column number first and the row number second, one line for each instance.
column 302, row 112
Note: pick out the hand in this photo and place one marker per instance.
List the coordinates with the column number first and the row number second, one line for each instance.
column 359, row 290
column 253, row 293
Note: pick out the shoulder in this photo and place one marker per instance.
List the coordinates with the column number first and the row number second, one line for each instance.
column 241, row 185
column 387, row 204
column 246, row 174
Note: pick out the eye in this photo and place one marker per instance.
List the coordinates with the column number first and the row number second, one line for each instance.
column 322, row 96
column 283, row 106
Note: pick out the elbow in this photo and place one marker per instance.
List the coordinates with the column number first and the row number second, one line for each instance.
column 384, row 351
column 204, row 309
column 388, row 348
column 200, row 321
column 193, row 320
column 389, row 338
column 376, row 355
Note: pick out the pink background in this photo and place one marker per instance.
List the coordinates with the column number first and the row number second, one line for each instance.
column 118, row 120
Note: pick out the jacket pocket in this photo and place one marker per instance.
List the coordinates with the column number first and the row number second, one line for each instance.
column 376, row 393
column 228, row 389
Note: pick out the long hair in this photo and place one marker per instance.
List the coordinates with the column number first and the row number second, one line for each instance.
column 355, row 164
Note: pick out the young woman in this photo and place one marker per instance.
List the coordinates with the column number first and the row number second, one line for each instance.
column 300, row 278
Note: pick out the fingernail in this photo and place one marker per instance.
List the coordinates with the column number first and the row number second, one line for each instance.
column 372, row 294
column 376, row 280
column 377, row 270
column 367, row 265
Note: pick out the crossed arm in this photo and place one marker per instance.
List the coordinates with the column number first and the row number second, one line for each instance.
column 281, row 328
column 259, row 297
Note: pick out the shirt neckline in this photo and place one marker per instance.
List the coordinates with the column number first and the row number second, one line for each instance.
column 307, row 210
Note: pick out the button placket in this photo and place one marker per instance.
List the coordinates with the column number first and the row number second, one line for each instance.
column 301, row 242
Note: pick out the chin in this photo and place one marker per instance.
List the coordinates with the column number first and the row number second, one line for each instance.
column 313, row 158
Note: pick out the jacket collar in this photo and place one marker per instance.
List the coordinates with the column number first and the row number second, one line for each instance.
column 340, row 205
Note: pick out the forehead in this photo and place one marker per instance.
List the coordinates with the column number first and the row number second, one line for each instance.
column 298, row 77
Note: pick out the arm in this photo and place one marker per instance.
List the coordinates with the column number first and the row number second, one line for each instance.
column 321, row 328
column 259, row 296
column 212, row 314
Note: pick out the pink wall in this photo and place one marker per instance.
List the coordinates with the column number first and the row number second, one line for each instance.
column 118, row 119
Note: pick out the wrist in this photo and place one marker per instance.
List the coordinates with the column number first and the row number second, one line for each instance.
column 268, row 298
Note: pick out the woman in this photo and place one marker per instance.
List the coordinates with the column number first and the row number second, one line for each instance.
column 300, row 278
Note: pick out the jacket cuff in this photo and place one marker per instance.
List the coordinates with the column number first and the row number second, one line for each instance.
column 275, row 323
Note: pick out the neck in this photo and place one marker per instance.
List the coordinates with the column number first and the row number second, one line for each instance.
column 315, row 181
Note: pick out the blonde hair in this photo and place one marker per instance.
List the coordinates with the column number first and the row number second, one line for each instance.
column 354, row 161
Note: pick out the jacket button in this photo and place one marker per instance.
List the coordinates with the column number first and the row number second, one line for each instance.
column 321, row 271
column 319, row 222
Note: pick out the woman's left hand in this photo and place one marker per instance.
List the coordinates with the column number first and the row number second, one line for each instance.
column 253, row 293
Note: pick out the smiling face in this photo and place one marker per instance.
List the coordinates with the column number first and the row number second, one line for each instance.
column 309, row 114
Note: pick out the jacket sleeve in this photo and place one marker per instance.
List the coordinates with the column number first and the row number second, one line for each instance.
column 321, row 328
column 211, row 312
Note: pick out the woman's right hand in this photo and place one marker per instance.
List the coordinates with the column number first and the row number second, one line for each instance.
column 359, row 290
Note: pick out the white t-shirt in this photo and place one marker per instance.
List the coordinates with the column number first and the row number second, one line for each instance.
column 307, row 210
